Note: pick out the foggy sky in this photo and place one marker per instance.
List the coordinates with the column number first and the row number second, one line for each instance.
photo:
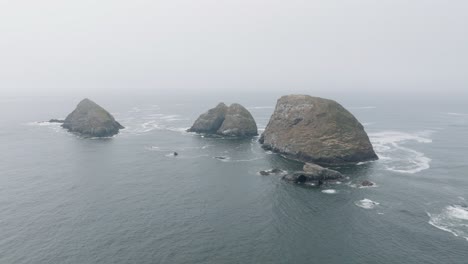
column 66, row 47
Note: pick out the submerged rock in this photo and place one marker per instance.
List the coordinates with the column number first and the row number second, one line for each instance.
column 232, row 121
column 269, row 172
column 91, row 120
column 367, row 183
column 56, row 121
column 313, row 173
column 313, row 129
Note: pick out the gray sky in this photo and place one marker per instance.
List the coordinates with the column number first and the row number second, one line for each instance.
column 63, row 47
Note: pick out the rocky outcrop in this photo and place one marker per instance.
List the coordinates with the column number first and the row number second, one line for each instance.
column 232, row 121
column 56, row 121
column 313, row 129
column 367, row 183
column 211, row 121
column 91, row 120
column 314, row 174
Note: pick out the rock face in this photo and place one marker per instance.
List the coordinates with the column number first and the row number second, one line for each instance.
column 313, row 129
column 313, row 173
column 210, row 121
column 232, row 121
column 91, row 120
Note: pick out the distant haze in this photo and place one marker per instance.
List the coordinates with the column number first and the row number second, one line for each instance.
column 87, row 47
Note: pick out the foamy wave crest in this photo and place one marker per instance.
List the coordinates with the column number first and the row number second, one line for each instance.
column 366, row 204
column 329, row 191
column 56, row 127
column 396, row 157
column 140, row 120
column 452, row 219
column 45, row 123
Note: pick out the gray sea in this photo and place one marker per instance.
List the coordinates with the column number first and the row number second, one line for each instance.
column 126, row 199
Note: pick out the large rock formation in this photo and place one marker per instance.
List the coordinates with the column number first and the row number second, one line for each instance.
column 210, row 121
column 314, row 174
column 91, row 120
column 232, row 121
column 313, row 129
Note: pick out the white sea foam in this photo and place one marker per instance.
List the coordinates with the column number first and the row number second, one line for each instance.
column 56, row 127
column 452, row 219
column 141, row 120
column 457, row 114
column 329, row 191
column 45, row 123
column 364, row 162
column 366, row 204
column 395, row 156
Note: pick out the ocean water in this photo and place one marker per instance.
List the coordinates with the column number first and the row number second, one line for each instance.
column 126, row 199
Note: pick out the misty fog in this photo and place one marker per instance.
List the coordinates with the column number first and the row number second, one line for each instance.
column 87, row 47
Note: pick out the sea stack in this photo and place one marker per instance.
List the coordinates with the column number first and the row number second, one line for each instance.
column 91, row 120
column 232, row 121
column 316, row 130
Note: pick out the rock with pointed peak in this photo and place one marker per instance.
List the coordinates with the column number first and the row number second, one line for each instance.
column 91, row 120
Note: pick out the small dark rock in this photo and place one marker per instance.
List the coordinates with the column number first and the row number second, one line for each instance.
column 367, row 183
column 276, row 171
column 56, row 121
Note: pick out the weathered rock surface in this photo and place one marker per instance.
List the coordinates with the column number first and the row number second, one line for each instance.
column 210, row 121
column 313, row 129
column 238, row 122
column 91, row 120
column 232, row 121
column 313, row 173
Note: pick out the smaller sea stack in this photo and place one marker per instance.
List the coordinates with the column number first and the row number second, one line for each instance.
column 91, row 120
column 232, row 121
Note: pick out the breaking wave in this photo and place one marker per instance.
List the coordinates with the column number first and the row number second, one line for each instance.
column 396, row 156
column 366, row 204
column 146, row 119
column 452, row 219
